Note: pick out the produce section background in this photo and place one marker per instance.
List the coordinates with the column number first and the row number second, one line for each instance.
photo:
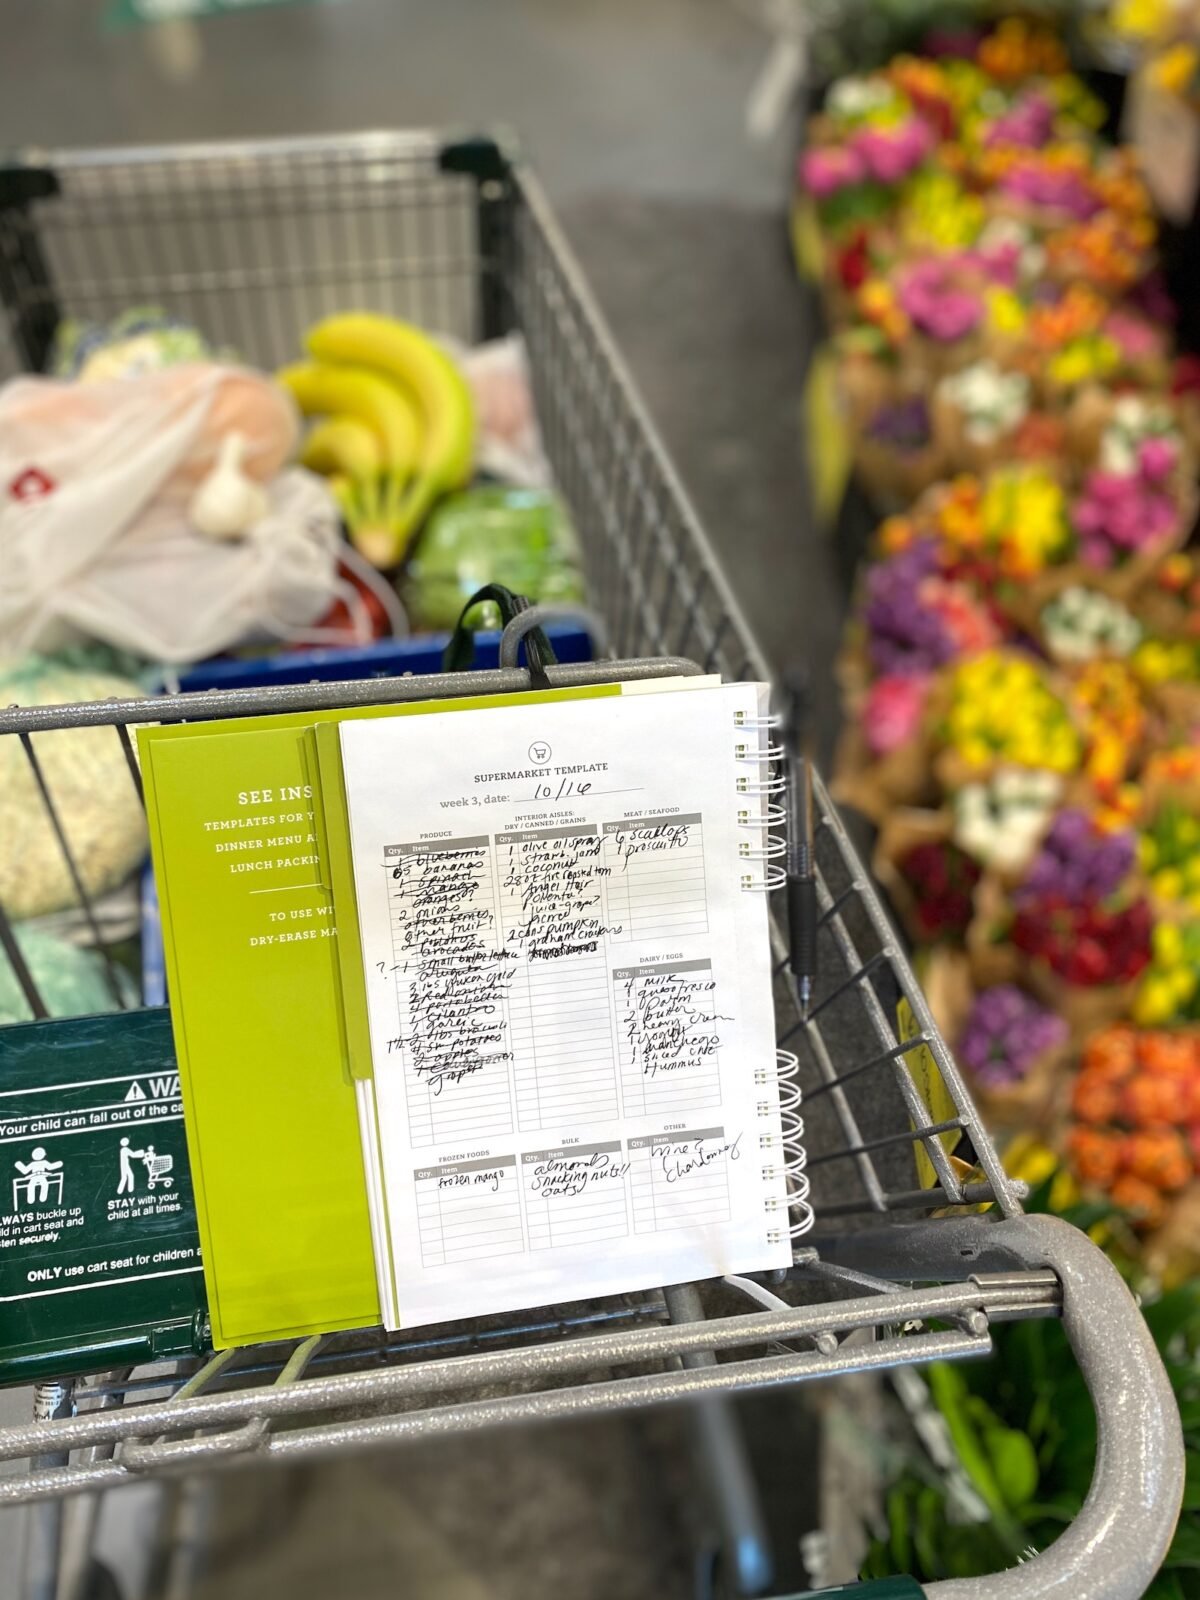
column 633, row 116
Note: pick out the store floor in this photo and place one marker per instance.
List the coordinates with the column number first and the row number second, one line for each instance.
column 632, row 110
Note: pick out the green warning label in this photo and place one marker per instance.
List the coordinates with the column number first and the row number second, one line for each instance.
column 96, row 1172
column 97, row 1218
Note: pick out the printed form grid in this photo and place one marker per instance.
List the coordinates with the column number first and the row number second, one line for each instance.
column 672, row 1183
column 656, row 888
column 469, row 1211
column 561, row 1012
column 576, row 1196
column 669, row 1060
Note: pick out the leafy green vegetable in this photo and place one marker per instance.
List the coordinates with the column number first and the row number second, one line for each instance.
column 1024, row 1430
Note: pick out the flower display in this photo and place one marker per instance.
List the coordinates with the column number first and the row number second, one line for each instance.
column 1002, row 710
column 935, row 303
column 1136, row 1092
column 903, row 424
column 916, row 620
column 992, row 402
column 1078, row 862
column 1079, row 624
column 1006, row 1031
column 999, row 822
column 1031, row 634
column 942, row 880
column 890, row 154
column 824, row 172
column 1142, row 436
column 1085, row 945
column 1119, row 514
column 1169, row 854
column 894, row 711
column 1023, row 513
column 1108, row 702
column 1170, row 990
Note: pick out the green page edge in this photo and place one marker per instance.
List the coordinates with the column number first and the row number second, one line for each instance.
column 305, row 722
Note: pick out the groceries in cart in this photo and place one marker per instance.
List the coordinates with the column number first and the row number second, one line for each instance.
column 167, row 501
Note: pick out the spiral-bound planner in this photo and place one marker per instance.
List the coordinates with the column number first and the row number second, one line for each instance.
column 574, row 1087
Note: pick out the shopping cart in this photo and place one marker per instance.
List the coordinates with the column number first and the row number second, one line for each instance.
column 158, row 1170
column 252, row 242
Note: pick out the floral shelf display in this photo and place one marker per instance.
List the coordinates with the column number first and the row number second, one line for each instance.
column 1022, row 666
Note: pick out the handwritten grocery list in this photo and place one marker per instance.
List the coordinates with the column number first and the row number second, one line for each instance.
column 569, row 1000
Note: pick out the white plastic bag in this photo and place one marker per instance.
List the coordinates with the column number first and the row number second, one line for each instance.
column 510, row 441
column 95, row 541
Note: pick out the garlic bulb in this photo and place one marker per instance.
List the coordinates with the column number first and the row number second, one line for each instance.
column 227, row 503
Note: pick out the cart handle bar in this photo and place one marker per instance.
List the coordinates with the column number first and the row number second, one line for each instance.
column 1117, row 1543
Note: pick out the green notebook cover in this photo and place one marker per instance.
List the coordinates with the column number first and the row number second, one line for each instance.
column 260, row 1030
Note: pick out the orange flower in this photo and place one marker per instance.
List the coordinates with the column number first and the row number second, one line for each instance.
column 1111, row 1054
column 1021, row 49
column 1140, row 1198
column 1096, row 1156
column 1080, row 311
column 1149, row 1100
column 1173, row 1054
column 1161, row 1158
column 895, row 534
column 1094, row 1099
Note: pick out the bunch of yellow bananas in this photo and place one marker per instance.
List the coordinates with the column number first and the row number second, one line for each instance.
column 397, row 428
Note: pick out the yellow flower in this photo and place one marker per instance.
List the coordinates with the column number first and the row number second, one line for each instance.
column 1153, row 1003
column 1168, row 883
column 1168, row 944
column 1175, row 69
column 1083, row 359
column 1006, row 314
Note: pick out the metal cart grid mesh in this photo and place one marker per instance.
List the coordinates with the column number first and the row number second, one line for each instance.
column 253, row 242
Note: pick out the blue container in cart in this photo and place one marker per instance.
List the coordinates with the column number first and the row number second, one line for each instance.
column 388, row 658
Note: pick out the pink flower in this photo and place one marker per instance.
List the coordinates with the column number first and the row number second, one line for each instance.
column 934, row 303
column 1136, row 337
column 895, row 706
column 1052, row 187
column 890, row 154
column 1000, row 263
column 1156, row 458
column 1117, row 514
column 823, row 172
column 969, row 626
column 1029, row 121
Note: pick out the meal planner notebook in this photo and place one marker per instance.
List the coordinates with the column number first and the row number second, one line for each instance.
column 566, row 977
column 266, row 1066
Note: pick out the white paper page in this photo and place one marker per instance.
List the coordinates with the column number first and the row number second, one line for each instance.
column 569, row 997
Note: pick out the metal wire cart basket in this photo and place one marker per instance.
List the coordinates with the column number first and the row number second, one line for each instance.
column 916, row 1257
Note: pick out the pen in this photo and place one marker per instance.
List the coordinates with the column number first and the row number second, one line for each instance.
column 801, row 864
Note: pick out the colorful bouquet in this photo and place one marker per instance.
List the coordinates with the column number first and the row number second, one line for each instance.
column 1028, row 666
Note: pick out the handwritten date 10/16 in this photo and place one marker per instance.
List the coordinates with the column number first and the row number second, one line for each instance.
column 566, row 788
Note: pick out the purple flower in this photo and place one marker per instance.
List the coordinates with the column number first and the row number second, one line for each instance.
column 1005, row 1033
column 1077, row 862
column 904, row 636
column 935, row 304
column 904, row 424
